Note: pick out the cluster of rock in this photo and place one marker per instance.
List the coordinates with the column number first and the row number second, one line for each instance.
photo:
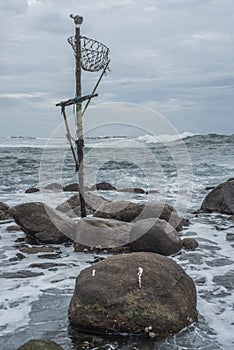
column 74, row 187
column 138, row 292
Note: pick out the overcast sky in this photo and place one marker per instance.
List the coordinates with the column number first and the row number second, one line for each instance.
column 174, row 56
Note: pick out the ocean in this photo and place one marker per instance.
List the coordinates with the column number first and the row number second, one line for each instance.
column 175, row 170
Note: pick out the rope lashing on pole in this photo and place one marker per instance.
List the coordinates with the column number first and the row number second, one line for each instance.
column 63, row 105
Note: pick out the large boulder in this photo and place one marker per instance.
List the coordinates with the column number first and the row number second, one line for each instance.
column 40, row 344
column 156, row 236
column 43, row 224
column 132, row 293
column 102, row 234
column 220, row 199
column 72, row 205
column 129, row 211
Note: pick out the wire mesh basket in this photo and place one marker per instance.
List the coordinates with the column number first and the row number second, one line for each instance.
column 94, row 54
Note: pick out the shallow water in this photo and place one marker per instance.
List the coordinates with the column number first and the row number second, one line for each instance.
column 36, row 307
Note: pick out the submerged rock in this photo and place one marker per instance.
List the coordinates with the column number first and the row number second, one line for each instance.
column 130, row 293
column 132, row 190
column 13, row 228
column 156, row 236
column 220, row 199
column 35, row 250
column 129, row 211
column 43, row 224
column 21, row 274
column 40, row 344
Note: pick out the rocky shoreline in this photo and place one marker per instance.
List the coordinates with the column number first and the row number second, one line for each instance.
column 150, row 231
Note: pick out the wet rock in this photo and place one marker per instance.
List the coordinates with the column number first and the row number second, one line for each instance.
column 45, row 265
column 226, row 280
column 209, row 188
column 54, row 187
column 20, row 256
column 20, row 239
column 40, row 344
column 230, row 236
column 102, row 186
column 42, row 224
column 127, row 293
column 156, row 236
column 49, row 256
column 220, row 199
column 35, row 250
column 4, row 211
column 71, row 188
column 97, row 234
column 133, row 190
column 189, row 243
column 231, row 217
column 20, row 274
column 32, row 190
column 220, row 262
column 128, row 211
column 13, row 228
column 72, row 206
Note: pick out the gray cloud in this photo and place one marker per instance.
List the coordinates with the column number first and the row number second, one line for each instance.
column 175, row 56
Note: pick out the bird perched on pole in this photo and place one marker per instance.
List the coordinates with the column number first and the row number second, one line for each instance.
column 77, row 19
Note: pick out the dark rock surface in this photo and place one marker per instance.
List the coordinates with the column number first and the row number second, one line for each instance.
column 156, row 236
column 42, row 224
column 129, row 211
column 102, row 186
column 220, row 199
column 130, row 292
column 20, row 274
column 71, row 188
column 133, row 190
column 32, row 190
column 189, row 243
column 35, row 250
column 40, row 344
column 13, row 228
column 47, row 265
column 4, row 211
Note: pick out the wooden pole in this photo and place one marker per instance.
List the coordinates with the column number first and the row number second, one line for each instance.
column 80, row 137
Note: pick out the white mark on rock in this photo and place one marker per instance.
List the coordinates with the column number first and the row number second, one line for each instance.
column 93, row 273
column 140, row 272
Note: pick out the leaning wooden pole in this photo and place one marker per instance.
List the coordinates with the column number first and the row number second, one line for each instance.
column 79, row 134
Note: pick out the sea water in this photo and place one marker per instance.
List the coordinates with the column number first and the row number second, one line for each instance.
column 173, row 170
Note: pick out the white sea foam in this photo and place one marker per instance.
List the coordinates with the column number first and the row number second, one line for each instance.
column 164, row 138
